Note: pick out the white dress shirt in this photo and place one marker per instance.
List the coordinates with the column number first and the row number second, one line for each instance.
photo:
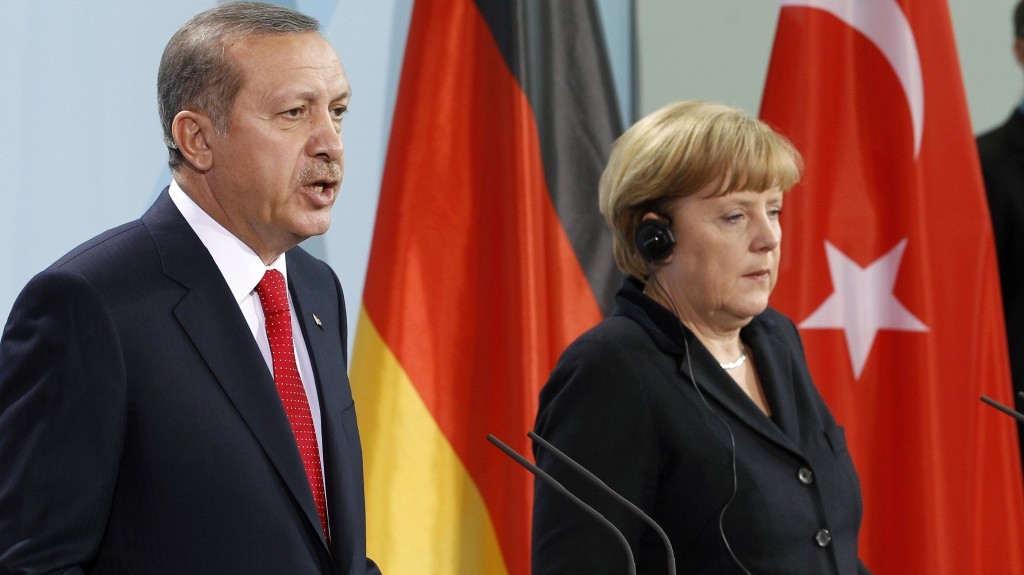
column 242, row 270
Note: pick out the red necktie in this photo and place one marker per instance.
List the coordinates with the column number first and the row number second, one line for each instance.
column 273, row 295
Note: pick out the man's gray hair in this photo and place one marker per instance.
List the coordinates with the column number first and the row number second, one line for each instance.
column 195, row 70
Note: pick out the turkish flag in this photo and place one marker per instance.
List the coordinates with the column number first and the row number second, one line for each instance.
column 889, row 270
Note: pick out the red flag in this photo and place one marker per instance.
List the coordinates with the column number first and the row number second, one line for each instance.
column 889, row 270
column 488, row 251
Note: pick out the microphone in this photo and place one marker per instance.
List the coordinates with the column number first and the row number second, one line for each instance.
column 1003, row 408
column 604, row 486
column 631, row 568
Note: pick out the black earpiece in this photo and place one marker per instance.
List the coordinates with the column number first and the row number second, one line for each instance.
column 654, row 240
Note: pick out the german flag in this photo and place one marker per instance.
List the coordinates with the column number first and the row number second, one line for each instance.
column 489, row 256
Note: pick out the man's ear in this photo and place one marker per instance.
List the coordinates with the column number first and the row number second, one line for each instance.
column 1018, row 51
column 192, row 132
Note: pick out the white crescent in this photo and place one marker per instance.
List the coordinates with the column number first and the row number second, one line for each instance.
column 885, row 25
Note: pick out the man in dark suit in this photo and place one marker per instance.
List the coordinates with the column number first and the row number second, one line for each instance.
column 173, row 395
column 1002, row 165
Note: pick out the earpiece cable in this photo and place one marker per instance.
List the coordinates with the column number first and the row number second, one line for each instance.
column 732, row 438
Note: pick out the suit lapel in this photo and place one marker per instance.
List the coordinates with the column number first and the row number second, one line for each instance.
column 773, row 360
column 325, row 353
column 771, row 354
column 717, row 384
column 322, row 321
column 211, row 318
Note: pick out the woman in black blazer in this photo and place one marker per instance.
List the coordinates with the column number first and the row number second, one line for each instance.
column 693, row 400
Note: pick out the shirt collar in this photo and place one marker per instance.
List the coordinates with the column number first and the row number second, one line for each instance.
column 241, row 267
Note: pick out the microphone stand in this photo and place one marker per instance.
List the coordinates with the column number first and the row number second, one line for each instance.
column 561, row 489
column 1008, row 411
column 629, row 504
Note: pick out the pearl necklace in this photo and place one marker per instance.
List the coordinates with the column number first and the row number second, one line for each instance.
column 735, row 363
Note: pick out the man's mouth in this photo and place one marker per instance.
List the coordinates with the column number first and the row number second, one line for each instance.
column 321, row 186
column 322, row 177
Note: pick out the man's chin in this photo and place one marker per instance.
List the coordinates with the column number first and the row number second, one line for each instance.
column 316, row 223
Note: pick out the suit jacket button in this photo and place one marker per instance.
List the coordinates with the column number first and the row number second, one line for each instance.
column 805, row 475
column 823, row 538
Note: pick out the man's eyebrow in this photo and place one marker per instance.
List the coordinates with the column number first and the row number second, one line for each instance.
column 306, row 95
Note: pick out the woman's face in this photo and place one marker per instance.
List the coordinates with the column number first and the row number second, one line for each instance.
column 726, row 259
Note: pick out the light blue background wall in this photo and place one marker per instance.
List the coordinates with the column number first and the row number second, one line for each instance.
column 81, row 147
column 80, row 143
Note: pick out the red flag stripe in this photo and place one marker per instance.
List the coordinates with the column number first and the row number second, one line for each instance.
column 472, row 282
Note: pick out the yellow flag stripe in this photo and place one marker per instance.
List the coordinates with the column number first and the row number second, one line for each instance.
column 424, row 513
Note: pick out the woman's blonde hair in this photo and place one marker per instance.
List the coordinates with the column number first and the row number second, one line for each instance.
column 680, row 150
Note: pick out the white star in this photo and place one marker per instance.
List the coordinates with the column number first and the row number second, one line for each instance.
column 863, row 302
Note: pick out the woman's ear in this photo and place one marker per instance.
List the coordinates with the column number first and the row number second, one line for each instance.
column 653, row 217
column 192, row 132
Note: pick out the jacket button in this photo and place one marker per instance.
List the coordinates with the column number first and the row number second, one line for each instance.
column 805, row 475
column 823, row 538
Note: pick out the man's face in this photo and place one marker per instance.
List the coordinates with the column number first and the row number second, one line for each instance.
column 277, row 170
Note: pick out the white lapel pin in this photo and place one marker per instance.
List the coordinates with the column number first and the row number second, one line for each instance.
column 319, row 323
